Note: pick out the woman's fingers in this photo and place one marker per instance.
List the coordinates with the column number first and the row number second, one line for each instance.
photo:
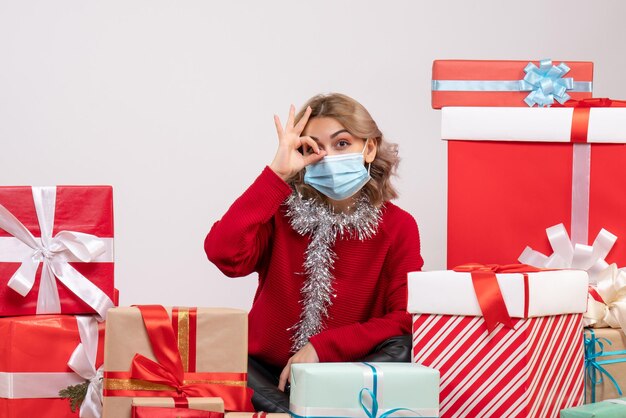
column 292, row 115
column 303, row 120
column 279, row 127
column 284, row 376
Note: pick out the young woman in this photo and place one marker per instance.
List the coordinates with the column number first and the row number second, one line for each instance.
column 331, row 251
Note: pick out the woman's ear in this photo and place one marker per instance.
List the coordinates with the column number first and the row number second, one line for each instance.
column 370, row 150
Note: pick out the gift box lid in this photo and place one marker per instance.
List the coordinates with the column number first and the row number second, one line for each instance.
column 335, row 389
column 611, row 408
column 500, row 82
column 546, row 293
column 606, row 124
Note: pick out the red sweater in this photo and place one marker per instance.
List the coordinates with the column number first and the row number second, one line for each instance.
column 254, row 235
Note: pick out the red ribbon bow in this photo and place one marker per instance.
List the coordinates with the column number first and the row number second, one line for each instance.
column 168, row 369
column 488, row 292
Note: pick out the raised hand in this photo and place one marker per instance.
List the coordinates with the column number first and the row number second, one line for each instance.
column 288, row 160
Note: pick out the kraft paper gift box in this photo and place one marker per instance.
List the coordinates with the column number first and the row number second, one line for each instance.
column 605, row 364
column 40, row 356
column 363, row 389
column 514, row 173
column 177, row 407
column 151, row 351
column 613, row 408
column 508, row 83
column 56, row 250
column 255, row 415
column 531, row 368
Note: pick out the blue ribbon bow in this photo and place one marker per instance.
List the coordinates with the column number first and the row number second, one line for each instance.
column 373, row 412
column 546, row 83
column 593, row 366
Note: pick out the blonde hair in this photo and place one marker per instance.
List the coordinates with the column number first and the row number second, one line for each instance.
column 357, row 120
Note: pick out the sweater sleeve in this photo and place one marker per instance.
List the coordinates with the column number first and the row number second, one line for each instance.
column 238, row 241
column 355, row 341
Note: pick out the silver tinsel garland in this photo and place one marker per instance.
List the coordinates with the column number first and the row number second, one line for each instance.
column 309, row 217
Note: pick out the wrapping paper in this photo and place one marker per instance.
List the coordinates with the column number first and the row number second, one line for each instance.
column 506, row 184
column 26, row 348
column 533, row 370
column 610, row 355
column 255, row 415
column 220, row 349
column 201, row 404
column 158, row 412
column 81, row 209
column 497, row 71
column 363, row 389
column 614, row 408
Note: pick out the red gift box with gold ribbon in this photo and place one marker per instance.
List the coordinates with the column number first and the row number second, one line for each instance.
column 56, row 250
column 151, row 351
column 40, row 356
column 513, row 172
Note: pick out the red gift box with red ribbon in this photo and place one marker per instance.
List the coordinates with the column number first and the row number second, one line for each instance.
column 41, row 355
column 179, row 352
column 507, row 340
column 513, row 172
column 56, row 250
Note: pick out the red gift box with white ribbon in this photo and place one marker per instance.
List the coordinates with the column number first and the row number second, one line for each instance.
column 56, row 250
column 513, row 172
column 42, row 355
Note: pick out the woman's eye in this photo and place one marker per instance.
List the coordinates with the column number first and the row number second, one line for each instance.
column 342, row 143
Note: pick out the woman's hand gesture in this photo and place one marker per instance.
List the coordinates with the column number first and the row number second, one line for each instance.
column 288, row 160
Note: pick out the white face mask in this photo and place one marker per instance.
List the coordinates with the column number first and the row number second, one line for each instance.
column 338, row 176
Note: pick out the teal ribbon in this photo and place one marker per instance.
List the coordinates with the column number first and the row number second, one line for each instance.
column 546, row 83
column 373, row 412
column 593, row 367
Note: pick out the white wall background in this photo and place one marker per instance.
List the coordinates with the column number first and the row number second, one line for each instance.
column 171, row 102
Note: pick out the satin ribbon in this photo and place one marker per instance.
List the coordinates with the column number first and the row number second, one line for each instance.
column 83, row 363
column 47, row 385
column 54, row 253
column 590, row 258
column 607, row 300
column 488, row 293
column 166, row 376
column 545, row 84
column 594, row 366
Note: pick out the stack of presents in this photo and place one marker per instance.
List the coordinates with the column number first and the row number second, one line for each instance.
column 527, row 322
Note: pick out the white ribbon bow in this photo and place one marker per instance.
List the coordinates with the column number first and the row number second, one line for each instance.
column 47, row 385
column 567, row 256
column 83, row 363
column 611, row 311
column 55, row 253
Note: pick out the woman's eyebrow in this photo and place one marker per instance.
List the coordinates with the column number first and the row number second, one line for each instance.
column 339, row 132
column 332, row 136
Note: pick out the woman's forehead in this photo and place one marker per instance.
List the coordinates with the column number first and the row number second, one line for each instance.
column 323, row 127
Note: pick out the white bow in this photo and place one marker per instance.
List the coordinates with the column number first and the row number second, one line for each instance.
column 611, row 310
column 567, row 256
column 83, row 363
column 55, row 254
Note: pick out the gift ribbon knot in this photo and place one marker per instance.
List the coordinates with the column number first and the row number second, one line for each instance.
column 55, row 254
column 546, row 83
column 488, row 292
